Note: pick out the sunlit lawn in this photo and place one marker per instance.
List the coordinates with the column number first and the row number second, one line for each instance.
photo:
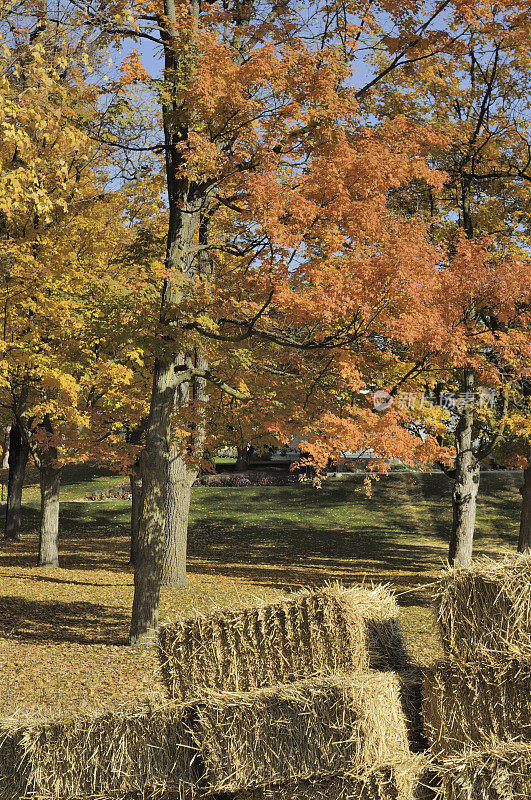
column 63, row 632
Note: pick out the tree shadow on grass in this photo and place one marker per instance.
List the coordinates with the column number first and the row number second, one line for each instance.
column 294, row 554
column 53, row 621
column 499, row 503
column 109, row 557
column 43, row 578
column 80, row 473
column 92, row 538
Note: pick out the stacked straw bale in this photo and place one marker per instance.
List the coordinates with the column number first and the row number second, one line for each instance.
column 310, row 633
column 501, row 773
column 146, row 751
column 283, row 699
column 485, row 612
column 399, row 782
column 314, row 728
column 477, row 703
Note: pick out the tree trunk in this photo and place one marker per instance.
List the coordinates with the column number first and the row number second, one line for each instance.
column 50, row 480
column 524, row 539
column 465, row 488
column 464, row 497
column 154, row 463
column 243, row 457
column 5, row 449
column 135, row 481
column 18, row 459
column 179, row 493
column 181, row 477
column 160, row 468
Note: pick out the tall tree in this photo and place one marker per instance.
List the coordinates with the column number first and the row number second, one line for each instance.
column 230, row 133
column 39, row 116
column 479, row 98
column 71, row 316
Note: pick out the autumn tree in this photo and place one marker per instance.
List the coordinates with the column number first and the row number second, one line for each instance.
column 37, row 116
column 495, row 343
column 71, row 360
column 478, row 98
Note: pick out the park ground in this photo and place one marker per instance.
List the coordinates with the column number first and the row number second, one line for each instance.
column 63, row 632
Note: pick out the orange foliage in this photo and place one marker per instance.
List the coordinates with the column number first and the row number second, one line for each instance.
column 318, row 288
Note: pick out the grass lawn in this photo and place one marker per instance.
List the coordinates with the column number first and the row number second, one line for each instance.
column 63, row 631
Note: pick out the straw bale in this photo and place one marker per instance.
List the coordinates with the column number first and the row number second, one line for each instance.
column 403, row 781
column 501, row 773
column 297, row 731
column 477, row 704
column 485, row 612
column 144, row 750
column 306, row 634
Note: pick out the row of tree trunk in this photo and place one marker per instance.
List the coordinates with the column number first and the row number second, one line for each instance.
column 177, row 504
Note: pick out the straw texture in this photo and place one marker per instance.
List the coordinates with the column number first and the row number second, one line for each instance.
column 502, row 773
column 477, row 704
column 146, row 751
column 297, row 731
column 303, row 635
column 399, row 782
column 485, row 612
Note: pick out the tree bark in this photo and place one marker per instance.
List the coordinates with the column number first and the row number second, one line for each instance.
column 5, row 449
column 464, row 498
column 181, row 475
column 180, row 481
column 154, row 463
column 524, row 539
column 50, row 480
column 135, row 481
column 18, row 459
column 466, row 485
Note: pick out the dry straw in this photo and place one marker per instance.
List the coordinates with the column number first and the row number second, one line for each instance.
column 485, row 612
column 146, row 751
column 303, row 635
column 298, row 731
column 404, row 781
column 477, row 704
column 501, row 773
